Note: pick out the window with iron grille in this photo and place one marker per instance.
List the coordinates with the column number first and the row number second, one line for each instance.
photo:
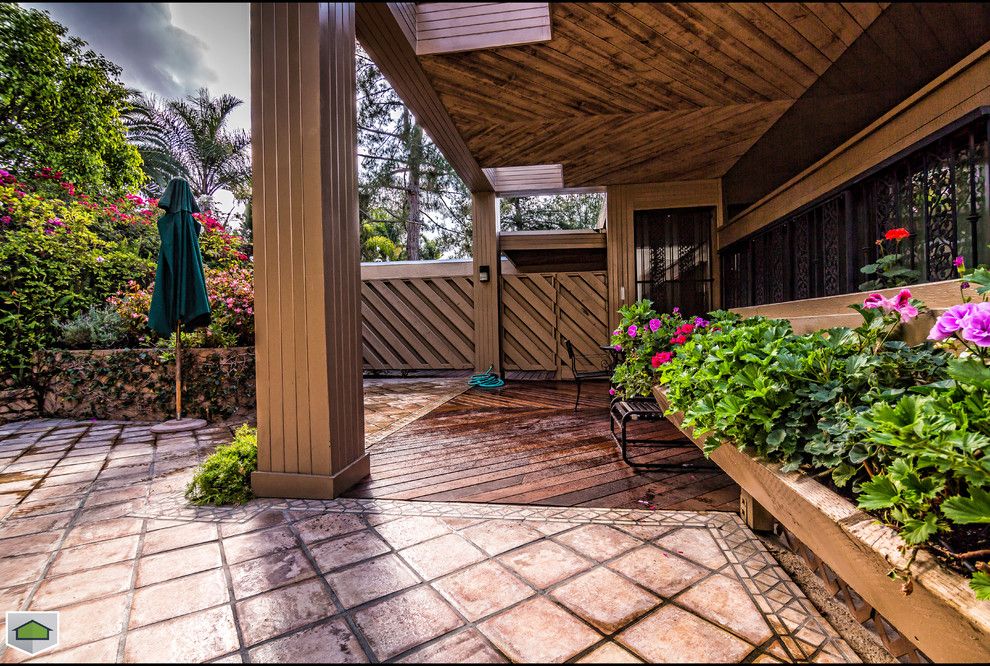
column 937, row 191
column 673, row 258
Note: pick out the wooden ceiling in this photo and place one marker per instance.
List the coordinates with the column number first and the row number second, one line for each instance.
column 643, row 92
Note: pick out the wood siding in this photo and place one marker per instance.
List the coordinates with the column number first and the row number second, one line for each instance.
column 960, row 90
column 539, row 310
column 447, row 27
column 484, row 252
column 307, row 254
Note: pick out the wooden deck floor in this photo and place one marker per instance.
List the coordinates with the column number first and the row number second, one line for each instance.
column 525, row 445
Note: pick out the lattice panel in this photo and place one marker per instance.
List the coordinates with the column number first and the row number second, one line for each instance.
column 418, row 323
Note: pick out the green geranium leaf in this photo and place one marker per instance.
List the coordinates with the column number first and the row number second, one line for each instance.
column 968, row 510
column 917, row 531
column 970, row 371
column 981, row 585
column 878, row 493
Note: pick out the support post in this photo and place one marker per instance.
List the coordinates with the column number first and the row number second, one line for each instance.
column 753, row 513
column 487, row 310
column 307, row 253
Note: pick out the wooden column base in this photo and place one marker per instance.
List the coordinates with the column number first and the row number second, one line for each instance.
column 753, row 513
column 310, row 486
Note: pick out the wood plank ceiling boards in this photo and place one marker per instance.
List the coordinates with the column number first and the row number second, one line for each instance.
column 641, row 92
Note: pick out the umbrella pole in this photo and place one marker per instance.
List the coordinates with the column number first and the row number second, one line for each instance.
column 178, row 370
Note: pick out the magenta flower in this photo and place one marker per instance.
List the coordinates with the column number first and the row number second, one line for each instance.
column 958, row 261
column 632, row 330
column 950, row 321
column 676, row 310
column 901, row 304
column 977, row 326
column 654, row 325
column 611, row 391
column 617, row 347
column 700, row 322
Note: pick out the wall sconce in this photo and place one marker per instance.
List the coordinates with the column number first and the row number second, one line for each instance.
column 484, row 274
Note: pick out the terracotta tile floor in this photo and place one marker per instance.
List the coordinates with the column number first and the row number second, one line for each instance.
column 94, row 525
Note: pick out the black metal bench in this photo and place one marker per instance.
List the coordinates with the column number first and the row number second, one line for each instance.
column 622, row 412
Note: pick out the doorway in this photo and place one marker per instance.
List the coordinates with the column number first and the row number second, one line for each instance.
column 673, row 258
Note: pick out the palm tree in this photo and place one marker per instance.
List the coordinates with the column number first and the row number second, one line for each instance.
column 189, row 138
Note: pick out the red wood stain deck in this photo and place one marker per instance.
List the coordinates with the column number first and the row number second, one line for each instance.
column 525, row 444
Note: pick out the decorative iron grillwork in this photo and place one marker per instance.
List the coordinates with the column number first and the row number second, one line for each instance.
column 938, row 192
column 673, row 258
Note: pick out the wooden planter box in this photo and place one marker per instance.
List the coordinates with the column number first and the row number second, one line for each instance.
column 941, row 617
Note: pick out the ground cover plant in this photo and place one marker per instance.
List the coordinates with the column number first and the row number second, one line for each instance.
column 225, row 476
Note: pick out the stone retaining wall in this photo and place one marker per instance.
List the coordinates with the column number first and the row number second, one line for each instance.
column 18, row 405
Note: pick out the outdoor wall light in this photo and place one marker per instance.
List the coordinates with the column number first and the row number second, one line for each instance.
column 483, row 273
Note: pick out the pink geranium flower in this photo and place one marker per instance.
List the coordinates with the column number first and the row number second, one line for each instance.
column 654, row 325
column 901, row 304
column 632, row 330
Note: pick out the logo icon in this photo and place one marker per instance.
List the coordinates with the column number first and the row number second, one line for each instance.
column 32, row 632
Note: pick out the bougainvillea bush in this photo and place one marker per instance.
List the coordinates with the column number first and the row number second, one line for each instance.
column 64, row 252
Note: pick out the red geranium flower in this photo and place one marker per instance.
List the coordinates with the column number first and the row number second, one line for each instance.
column 660, row 358
column 900, row 233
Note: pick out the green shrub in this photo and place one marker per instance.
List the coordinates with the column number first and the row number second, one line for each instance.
column 95, row 328
column 225, row 476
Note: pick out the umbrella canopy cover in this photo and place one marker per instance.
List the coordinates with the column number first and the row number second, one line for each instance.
column 180, row 285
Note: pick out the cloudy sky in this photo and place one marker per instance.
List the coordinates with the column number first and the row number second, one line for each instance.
column 169, row 49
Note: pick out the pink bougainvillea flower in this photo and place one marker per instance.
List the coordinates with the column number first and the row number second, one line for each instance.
column 632, row 330
column 951, row 321
column 654, row 325
column 976, row 328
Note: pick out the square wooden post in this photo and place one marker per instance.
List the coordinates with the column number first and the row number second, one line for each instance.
column 307, row 253
column 487, row 310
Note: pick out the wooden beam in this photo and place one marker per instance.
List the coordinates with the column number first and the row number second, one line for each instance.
column 484, row 250
column 449, row 27
column 558, row 239
column 307, row 251
column 383, row 29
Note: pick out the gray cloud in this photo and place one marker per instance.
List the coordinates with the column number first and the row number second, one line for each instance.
column 155, row 55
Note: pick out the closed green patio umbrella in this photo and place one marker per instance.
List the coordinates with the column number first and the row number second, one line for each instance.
column 179, row 299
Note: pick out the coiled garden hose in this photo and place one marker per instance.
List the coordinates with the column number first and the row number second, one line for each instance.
column 487, row 379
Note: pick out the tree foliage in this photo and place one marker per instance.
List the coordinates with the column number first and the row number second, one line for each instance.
column 190, row 138
column 578, row 211
column 60, row 105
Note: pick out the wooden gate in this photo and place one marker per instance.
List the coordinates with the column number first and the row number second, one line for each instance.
column 539, row 310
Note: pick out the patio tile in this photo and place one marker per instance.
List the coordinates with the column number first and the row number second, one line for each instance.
column 725, row 601
column 90, row 621
column 43, row 542
column 605, row 599
column 22, row 526
column 345, row 550
column 442, row 555
column 330, row 643
column 269, row 572
column 465, row 647
column 370, row 580
column 405, row 621
column 538, row 631
column 497, row 536
column 694, row 544
column 599, row 542
column 672, row 635
column 273, row 613
column 82, row 586
column 658, row 571
column 191, row 638
column 104, row 651
column 187, row 534
column 178, row 597
column 262, row 521
column 328, row 525
column 255, row 544
column 406, row 532
column 174, row 564
column 23, row 569
column 80, row 558
column 482, row 590
column 610, row 653
column 544, row 563
column 110, row 529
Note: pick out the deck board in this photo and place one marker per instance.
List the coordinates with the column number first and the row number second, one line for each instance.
column 525, row 444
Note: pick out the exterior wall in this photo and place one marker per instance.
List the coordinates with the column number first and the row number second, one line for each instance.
column 622, row 202
column 960, row 90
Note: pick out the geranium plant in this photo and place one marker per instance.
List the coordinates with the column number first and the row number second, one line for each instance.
column 889, row 269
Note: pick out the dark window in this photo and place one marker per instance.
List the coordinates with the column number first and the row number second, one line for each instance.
column 937, row 191
column 673, row 258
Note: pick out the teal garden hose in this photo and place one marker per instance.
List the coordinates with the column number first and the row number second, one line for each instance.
column 486, row 380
